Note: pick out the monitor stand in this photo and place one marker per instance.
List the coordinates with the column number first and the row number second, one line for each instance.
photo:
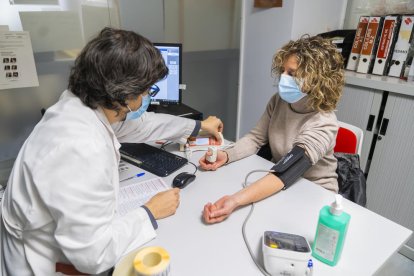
column 181, row 110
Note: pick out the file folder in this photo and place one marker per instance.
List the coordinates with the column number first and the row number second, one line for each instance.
column 370, row 44
column 405, row 36
column 386, row 44
column 357, row 44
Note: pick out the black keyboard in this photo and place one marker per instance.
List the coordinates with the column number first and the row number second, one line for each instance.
column 152, row 159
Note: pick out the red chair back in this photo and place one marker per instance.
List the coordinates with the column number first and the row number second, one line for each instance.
column 346, row 141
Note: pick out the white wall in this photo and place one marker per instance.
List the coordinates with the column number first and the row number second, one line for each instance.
column 263, row 31
column 143, row 17
column 198, row 25
column 208, row 25
column 317, row 16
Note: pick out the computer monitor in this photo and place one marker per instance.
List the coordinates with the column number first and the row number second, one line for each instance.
column 170, row 92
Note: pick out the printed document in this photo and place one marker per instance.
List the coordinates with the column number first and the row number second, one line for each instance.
column 135, row 195
column 17, row 65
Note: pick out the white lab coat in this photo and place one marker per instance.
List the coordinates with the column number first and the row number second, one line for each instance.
column 61, row 200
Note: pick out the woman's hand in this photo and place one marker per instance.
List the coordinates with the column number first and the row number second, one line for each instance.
column 213, row 125
column 220, row 210
column 220, row 161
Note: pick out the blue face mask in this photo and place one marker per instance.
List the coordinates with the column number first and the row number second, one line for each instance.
column 136, row 114
column 289, row 90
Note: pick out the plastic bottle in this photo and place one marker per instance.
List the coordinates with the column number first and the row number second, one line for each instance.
column 309, row 272
column 331, row 232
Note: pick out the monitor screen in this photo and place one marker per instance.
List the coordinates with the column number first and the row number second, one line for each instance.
column 170, row 92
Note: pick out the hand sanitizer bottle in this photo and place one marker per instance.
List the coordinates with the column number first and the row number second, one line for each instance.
column 330, row 233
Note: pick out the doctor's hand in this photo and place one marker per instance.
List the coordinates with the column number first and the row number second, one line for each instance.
column 164, row 204
column 220, row 210
column 220, row 161
column 213, row 125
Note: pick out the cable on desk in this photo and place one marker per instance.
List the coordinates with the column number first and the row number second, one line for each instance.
column 195, row 166
column 245, row 223
column 166, row 143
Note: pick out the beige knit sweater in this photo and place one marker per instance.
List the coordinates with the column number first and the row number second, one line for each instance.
column 283, row 126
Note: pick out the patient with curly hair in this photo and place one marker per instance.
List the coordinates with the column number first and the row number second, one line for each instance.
column 299, row 125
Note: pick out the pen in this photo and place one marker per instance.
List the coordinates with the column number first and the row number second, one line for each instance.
column 185, row 114
column 129, row 178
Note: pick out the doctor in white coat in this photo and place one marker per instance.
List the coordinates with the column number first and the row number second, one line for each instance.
column 59, row 211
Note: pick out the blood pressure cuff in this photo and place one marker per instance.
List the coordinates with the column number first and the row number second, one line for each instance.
column 292, row 166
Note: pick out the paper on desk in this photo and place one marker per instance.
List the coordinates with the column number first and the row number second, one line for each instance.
column 135, row 195
column 123, row 167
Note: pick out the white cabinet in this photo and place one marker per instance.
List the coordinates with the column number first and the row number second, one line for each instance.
column 360, row 107
column 390, row 183
column 384, row 108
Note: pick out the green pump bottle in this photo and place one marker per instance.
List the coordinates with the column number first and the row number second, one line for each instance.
column 331, row 232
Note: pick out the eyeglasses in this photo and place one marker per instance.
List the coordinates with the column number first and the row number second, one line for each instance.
column 153, row 91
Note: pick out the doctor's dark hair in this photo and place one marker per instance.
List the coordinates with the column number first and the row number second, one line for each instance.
column 320, row 71
column 115, row 66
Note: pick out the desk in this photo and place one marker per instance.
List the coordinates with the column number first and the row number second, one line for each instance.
column 219, row 249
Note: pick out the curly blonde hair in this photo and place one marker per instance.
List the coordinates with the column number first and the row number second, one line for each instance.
column 320, row 70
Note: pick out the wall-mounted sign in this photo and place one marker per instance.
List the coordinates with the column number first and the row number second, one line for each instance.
column 267, row 3
column 17, row 66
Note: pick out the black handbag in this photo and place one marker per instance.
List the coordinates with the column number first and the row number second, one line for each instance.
column 351, row 179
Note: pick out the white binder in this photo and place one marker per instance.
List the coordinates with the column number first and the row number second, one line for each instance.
column 405, row 35
column 369, row 46
column 357, row 44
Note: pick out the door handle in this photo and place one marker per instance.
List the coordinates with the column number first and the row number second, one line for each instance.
column 384, row 126
column 370, row 124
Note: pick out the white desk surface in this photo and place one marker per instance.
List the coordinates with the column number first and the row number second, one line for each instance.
column 219, row 249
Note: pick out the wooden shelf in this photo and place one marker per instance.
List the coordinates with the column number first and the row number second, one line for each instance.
column 383, row 83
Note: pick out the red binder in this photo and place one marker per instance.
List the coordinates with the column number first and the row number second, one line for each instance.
column 369, row 47
column 386, row 44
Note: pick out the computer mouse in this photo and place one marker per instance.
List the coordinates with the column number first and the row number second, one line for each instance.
column 183, row 179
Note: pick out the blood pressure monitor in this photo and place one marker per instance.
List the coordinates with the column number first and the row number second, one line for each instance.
column 286, row 254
